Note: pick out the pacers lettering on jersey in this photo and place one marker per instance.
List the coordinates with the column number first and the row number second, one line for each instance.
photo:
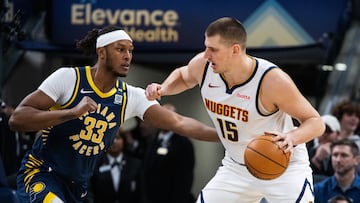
column 227, row 110
column 94, row 132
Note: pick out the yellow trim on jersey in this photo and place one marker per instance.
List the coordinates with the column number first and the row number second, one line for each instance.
column 29, row 176
column 76, row 89
column 49, row 197
column 33, row 164
column 122, row 114
column 93, row 86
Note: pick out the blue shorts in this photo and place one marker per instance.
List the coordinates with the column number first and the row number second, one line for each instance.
column 44, row 185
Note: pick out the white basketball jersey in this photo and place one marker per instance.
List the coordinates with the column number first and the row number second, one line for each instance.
column 236, row 114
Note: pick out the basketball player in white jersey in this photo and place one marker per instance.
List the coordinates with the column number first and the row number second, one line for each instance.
column 245, row 97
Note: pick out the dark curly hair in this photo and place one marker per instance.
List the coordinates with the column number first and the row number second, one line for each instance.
column 88, row 43
column 346, row 106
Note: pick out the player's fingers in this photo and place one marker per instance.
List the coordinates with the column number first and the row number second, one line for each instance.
column 151, row 91
column 151, row 96
column 281, row 140
column 159, row 92
column 90, row 103
column 276, row 136
column 287, row 145
column 93, row 107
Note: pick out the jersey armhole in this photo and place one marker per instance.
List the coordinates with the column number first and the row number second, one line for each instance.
column 124, row 99
column 259, row 106
column 204, row 74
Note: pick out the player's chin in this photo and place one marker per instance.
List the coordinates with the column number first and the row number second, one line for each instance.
column 122, row 72
column 215, row 69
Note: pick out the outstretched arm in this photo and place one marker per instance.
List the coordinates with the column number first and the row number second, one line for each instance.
column 181, row 79
column 33, row 114
column 163, row 118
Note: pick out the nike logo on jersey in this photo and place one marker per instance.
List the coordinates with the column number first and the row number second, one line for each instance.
column 213, row 86
column 82, row 91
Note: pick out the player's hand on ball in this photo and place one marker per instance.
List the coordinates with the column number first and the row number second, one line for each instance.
column 284, row 142
column 264, row 159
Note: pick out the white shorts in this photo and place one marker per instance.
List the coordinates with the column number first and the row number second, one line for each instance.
column 233, row 183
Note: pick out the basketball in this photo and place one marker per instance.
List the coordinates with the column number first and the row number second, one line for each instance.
column 264, row 159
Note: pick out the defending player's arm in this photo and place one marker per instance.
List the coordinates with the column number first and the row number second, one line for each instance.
column 294, row 104
column 163, row 118
column 33, row 114
column 181, row 79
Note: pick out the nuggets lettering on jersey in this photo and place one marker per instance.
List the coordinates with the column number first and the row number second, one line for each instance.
column 227, row 110
column 235, row 110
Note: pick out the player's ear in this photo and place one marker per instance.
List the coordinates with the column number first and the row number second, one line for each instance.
column 357, row 160
column 236, row 48
column 100, row 52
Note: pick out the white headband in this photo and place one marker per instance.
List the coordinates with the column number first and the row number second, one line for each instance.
column 111, row 37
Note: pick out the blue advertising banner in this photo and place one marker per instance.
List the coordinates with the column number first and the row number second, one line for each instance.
column 179, row 26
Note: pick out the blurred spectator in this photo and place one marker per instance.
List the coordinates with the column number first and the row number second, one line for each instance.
column 348, row 114
column 118, row 177
column 169, row 166
column 345, row 181
column 320, row 153
column 139, row 138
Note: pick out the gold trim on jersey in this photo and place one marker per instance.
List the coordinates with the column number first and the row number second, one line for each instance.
column 45, row 135
column 32, row 167
column 50, row 197
column 96, row 89
column 122, row 114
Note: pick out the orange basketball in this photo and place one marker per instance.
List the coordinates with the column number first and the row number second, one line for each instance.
column 264, row 159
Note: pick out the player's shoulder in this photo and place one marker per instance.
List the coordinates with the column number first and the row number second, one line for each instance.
column 64, row 71
column 131, row 88
column 197, row 65
column 198, row 59
column 264, row 63
column 268, row 67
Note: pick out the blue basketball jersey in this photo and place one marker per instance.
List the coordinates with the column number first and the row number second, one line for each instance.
column 74, row 146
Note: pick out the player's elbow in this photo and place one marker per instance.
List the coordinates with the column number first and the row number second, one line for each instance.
column 321, row 128
column 19, row 122
column 14, row 123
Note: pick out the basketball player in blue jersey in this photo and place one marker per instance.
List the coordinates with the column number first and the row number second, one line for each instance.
column 245, row 97
column 80, row 110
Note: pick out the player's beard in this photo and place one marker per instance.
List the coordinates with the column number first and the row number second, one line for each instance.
column 110, row 68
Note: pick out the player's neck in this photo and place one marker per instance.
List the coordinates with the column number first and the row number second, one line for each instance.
column 103, row 80
column 240, row 72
